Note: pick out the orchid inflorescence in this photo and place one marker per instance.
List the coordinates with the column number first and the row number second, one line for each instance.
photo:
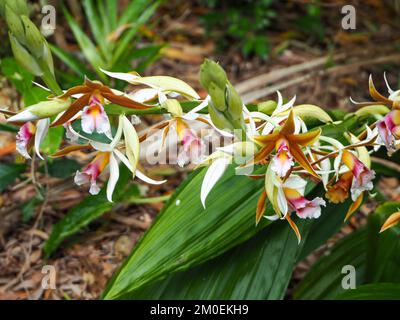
column 274, row 143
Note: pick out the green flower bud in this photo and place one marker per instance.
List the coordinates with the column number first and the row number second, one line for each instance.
column 217, row 96
column 15, row 25
column 235, row 104
column 41, row 110
column 48, row 58
column 20, row 7
column 218, row 118
column 24, row 58
column 34, row 39
column 212, row 72
column 267, row 107
column 174, row 107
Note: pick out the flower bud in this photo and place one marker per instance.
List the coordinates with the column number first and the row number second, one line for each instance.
column 217, row 96
column 20, row 7
column 218, row 118
column 267, row 107
column 212, row 72
column 235, row 104
column 24, row 58
column 34, row 39
column 15, row 25
column 41, row 110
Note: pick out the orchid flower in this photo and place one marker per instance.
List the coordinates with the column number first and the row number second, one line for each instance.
column 288, row 146
column 32, row 135
column 393, row 101
column 108, row 155
column 219, row 161
column 92, row 96
column 389, row 131
column 286, row 197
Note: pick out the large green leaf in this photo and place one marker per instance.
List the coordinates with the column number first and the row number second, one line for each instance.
column 260, row 268
column 8, row 174
column 375, row 257
column 324, row 280
column 88, row 210
column 376, row 291
column 185, row 234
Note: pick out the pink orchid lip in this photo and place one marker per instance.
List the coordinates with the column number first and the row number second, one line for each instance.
column 192, row 148
column 388, row 129
column 94, row 118
column 24, row 136
column 304, row 208
column 283, row 160
column 92, row 172
column 363, row 176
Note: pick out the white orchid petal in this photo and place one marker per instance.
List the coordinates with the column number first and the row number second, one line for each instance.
column 42, row 128
column 114, row 176
column 123, row 159
column 295, row 182
column 120, row 75
column 131, row 142
column 213, row 174
column 146, row 179
column 390, row 90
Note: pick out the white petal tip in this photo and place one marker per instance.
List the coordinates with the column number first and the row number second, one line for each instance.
column 24, row 116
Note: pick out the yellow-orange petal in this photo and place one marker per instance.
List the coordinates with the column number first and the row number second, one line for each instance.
column 73, row 110
column 261, row 205
column 354, row 206
column 68, row 150
column 289, row 126
column 305, row 139
column 294, row 227
column 301, row 159
column 260, row 156
column 375, row 94
column 267, row 139
column 391, row 221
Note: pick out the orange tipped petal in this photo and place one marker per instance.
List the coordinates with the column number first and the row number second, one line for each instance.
column 72, row 110
column 75, row 90
column 165, row 134
column 375, row 94
column 124, row 101
column 354, row 206
column 391, row 221
column 68, row 150
column 261, row 205
column 269, row 138
column 302, row 160
column 294, row 227
column 289, row 126
column 305, row 139
column 260, row 156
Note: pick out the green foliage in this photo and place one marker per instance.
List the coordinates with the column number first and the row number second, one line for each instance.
column 185, row 234
column 22, row 81
column 244, row 22
column 311, row 22
column 91, row 208
column 375, row 257
column 115, row 39
column 9, row 173
column 260, row 268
